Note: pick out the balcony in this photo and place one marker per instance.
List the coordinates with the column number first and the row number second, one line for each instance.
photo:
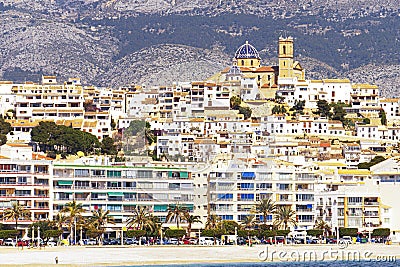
column 371, row 203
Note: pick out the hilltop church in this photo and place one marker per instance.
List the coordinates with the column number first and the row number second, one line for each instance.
column 252, row 81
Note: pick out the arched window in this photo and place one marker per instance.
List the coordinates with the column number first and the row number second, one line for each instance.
column 284, row 49
column 284, row 63
column 242, row 62
column 251, row 62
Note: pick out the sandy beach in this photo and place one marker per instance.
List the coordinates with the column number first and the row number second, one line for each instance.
column 141, row 255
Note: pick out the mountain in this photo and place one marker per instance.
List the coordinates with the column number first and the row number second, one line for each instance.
column 116, row 42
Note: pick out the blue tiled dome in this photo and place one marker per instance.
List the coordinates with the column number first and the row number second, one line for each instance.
column 247, row 51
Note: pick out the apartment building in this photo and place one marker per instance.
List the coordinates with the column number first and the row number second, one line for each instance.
column 48, row 100
column 120, row 189
column 25, row 177
column 236, row 185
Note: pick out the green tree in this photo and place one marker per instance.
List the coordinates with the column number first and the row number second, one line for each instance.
column 74, row 212
column 338, row 113
column 265, row 207
column 63, row 139
column 135, row 127
column 148, row 134
column 348, row 231
column 323, row 109
column 235, row 102
column 113, row 125
column 139, row 218
column 246, row 111
column 284, row 216
column 315, row 232
column 324, row 226
column 4, row 234
column 212, row 233
column 16, row 212
column 248, row 222
column 99, row 221
column 177, row 233
column 176, row 213
column 298, row 106
column 228, row 227
column 108, row 147
column 47, row 230
column 135, row 233
column 5, row 128
column 278, row 109
column 374, row 161
column 381, row 232
column 382, row 115
column 153, row 226
column 190, row 219
column 213, row 221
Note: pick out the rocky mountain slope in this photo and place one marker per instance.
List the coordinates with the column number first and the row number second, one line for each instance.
column 116, row 42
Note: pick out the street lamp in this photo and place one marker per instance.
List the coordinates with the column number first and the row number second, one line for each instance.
column 236, row 236
column 33, row 235
column 75, row 231
column 39, row 236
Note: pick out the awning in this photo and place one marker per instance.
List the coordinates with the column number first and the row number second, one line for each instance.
column 248, row 175
column 65, row 182
column 115, row 194
column 160, row 207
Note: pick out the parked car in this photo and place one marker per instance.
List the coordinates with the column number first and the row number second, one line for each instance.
column 89, row 242
column 9, row 242
column 331, row 240
column 207, row 241
column 175, row 241
column 189, row 241
column 22, row 243
column 312, row 240
column 280, row 239
column 346, row 239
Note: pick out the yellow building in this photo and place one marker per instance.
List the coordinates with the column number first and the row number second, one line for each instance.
column 288, row 68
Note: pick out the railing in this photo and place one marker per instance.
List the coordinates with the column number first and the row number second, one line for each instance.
column 304, row 210
column 371, row 203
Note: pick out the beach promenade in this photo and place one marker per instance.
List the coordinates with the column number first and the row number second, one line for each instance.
column 142, row 255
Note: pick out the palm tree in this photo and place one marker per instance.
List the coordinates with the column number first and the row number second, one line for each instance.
column 321, row 224
column 190, row 219
column 175, row 213
column 59, row 220
column 139, row 218
column 213, row 221
column 16, row 212
column 99, row 220
column 265, row 207
column 284, row 215
column 248, row 222
column 73, row 211
column 153, row 225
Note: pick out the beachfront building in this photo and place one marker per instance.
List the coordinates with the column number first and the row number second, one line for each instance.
column 236, row 186
column 25, row 178
column 98, row 184
column 350, row 206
